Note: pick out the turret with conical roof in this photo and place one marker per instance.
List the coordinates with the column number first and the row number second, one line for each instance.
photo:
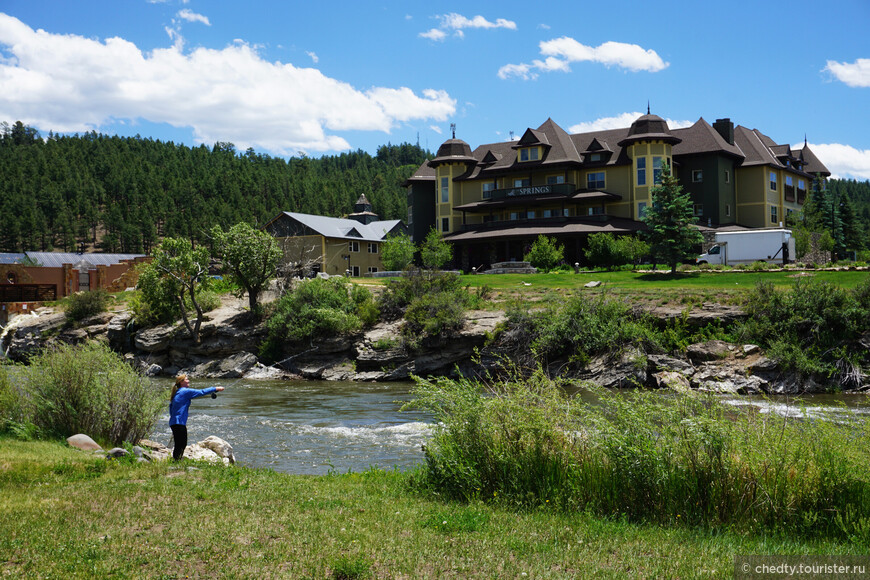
column 649, row 128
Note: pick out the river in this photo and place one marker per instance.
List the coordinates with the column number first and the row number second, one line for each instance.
column 308, row 427
column 314, row 427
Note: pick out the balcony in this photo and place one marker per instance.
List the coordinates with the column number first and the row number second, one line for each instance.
column 789, row 192
column 553, row 189
column 536, row 221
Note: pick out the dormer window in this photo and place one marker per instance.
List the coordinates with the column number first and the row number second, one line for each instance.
column 530, row 154
column 595, row 157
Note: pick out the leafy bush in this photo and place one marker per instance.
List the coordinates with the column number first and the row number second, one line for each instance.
column 398, row 294
column 607, row 251
column 15, row 410
column 687, row 458
column 317, row 308
column 434, row 251
column 82, row 305
column 545, row 254
column 397, row 252
column 88, row 389
column 813, row 328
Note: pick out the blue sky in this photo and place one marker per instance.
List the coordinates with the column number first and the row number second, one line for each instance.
column 287, row 77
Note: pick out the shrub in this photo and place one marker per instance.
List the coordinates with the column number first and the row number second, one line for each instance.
column 90, row 389
column 82, row 305
column 15, row 412
column 812, row 328
column 317, row 308
column 545, row 254
column 434, row 251
column 397, row 252
column 684, row 458
column 609, row 252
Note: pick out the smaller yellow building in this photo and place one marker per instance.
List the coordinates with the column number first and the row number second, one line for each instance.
column 334, row 245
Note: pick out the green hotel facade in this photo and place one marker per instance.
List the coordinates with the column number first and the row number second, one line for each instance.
column 493, row 202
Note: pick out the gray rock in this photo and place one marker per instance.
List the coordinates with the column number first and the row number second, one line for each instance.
column 231, row 367
column 710, row 350
column 672, row 380
column 83, row 442
column 659, row 362
column 117, row 452
column 154, row 339
column 117, row 330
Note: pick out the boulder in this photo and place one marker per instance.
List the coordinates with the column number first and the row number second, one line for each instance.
column 672, row 380
column 83, row 442
column 710, row 350
column 117, row 330
column 116, row 453
column 154, row 339
column 219, row 446
column 231, row 367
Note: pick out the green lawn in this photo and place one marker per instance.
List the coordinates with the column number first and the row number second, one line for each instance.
column 65, row 514
column 682, row 287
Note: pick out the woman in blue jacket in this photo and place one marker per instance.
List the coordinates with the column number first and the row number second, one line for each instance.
column 179, row 404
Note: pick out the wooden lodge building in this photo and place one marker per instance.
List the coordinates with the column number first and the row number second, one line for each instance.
column 335, row 246
column 493, row 202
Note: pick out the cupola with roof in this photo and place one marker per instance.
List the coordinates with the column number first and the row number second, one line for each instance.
column 649, row 128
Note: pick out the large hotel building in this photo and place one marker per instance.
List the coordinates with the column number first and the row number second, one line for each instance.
column 493, row 202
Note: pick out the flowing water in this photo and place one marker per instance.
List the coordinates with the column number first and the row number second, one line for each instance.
column 308, row 427
column 314, row 427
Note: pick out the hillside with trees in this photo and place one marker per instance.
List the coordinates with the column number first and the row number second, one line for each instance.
column 124, row 194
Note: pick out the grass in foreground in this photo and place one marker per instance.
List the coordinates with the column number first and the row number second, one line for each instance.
column 66, row 514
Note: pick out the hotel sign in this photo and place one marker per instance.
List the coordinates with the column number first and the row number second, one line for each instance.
column 531, row 190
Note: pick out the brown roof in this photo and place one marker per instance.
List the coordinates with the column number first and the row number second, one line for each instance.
column 703, row 138
column 813, row 165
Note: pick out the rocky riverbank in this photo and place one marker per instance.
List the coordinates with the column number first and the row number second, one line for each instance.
column 230, row 339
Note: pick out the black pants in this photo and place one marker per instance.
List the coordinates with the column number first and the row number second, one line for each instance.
column 179, row 434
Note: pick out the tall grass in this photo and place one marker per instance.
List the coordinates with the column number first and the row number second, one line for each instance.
column 81, row 389
column 680, row 458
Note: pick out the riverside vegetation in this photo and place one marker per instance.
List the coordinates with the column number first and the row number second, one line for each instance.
column 518, row 477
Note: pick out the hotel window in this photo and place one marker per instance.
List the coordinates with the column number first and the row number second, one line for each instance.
column 773, row 219
column 697, row 175
column 598, row 210
column 445, row 189
column 727, row 176
column 487, row 189
column 445, row 224
column 548, row 213
column 789, row 186
column 372, row 270
column 772, row 181
column 728, row 210
column 530, row 214
column 530, row 154
column 515, row 215
column 595, row 157
column 698, row 209
column 522, row 182
column 595, row 180
column 641, row 170
column 373, row 248
column 566, row 212
column 657, row 170
column 641, row 209
column 353, row 246
column 554, row 179
column 354, row 271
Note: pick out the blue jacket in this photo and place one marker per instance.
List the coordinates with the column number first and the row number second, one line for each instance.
column 180, row 403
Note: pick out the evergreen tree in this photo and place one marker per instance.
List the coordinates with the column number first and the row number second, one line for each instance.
column 669, row 218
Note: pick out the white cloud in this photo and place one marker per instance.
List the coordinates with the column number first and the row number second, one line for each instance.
column 561, row 52
column 621, row 121
column 434, row 34
column 70, row 83
column 436, row 128
column 544, row 26
column 843, row 161
column 192, row 16
column 456, row 23
column 856, row 74
column 314, row 58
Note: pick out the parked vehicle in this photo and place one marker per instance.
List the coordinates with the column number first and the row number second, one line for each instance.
column 745, row 247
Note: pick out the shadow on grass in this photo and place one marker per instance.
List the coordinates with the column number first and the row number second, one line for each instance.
column 658, row 276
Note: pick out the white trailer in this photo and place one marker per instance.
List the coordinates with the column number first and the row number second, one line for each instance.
column 745, row 247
